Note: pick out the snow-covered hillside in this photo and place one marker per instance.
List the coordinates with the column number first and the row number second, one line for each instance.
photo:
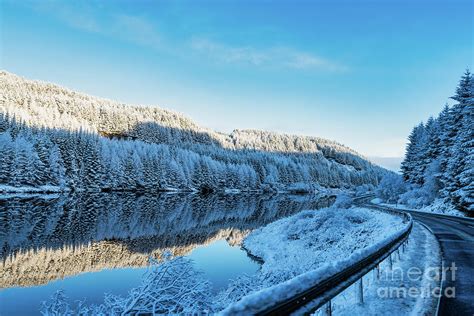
column 54, row 136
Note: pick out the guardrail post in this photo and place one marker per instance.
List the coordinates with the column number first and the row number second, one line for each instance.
column 327, row 310
column 376, row 272
column 360, row 291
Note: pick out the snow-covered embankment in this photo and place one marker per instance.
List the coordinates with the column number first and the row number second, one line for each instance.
column 300, row 251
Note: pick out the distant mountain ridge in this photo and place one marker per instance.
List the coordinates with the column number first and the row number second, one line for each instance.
column 43, row 105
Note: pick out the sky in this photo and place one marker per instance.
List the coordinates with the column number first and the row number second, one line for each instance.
column 362, row 73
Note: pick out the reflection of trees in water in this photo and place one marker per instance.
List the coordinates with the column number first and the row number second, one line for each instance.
column 46, row 239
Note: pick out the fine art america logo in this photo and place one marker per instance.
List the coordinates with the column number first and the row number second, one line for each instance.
column 416, row 282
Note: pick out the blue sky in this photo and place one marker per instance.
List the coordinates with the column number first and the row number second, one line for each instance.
column 359, row 72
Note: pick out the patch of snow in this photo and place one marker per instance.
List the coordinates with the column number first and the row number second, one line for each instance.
column 439, row 207
column 43, row 196
column 376, row 201
column 232, row 191
column 29, row 189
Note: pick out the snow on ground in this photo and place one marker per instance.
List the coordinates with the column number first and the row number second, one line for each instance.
column 413, row 272
column 441, row 208
column 437, row 207
column 301, row 250
column 29, row 189
column 376, row 201
column 312, row 239
column 43, row 196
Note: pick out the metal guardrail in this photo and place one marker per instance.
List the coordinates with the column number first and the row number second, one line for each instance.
column 321, row 293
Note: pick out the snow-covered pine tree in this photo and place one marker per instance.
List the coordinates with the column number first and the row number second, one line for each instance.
column 7, row 155
column 462, row 159
column 432, row 146
column 43, row 147
column 92, row 164
column 444, row 146
column 4, row 122
column 175, row 175
column 25, row 164
column 56, row 168
column 455, row 135
column 412, row 166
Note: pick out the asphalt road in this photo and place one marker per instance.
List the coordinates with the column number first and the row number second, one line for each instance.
column 456, row 238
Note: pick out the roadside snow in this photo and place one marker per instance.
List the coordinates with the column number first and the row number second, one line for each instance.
column 441, row 208
column 406, row 289
column 300, row 251
column 437, row 207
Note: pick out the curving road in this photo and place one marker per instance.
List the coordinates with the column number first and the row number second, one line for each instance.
column 456, row 238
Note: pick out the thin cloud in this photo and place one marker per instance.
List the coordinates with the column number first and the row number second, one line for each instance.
column 270, row 57
column 137, row 29
column 86, row 16
column 300, row 60
column 227, row 54
column 140, row 30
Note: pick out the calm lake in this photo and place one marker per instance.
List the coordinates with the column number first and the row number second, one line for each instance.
column 88, row 245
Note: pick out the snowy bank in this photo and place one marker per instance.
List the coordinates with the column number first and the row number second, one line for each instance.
column 437, row 207
column 300, row 251
column 29, row 189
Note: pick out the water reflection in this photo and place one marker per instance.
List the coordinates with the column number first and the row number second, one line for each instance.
column 44, row 239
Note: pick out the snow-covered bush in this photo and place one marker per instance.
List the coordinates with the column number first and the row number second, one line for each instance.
column 417, row 197
column 57, row 305
column 390, row 187
column 238, row 288
column 422, row 195
column 363, row 189
column 171, row 287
